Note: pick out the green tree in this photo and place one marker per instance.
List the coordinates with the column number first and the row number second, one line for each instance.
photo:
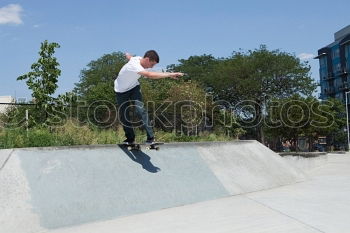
column 43, row 78
column 96, row 88
column 188, row 108
column 296, row 116
column 196, row 68
column 97, row 81
column 250, row 78
column 334, row 111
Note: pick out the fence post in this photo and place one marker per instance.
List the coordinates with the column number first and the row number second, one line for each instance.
column 27, row 120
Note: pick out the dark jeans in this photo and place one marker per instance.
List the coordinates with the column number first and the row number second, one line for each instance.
column 125, row 100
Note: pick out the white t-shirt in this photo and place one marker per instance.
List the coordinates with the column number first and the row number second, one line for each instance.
column 128, row 75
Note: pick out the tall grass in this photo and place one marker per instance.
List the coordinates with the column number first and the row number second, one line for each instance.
column 71, row 133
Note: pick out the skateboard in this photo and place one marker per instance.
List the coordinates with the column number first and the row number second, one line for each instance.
column 138, row 146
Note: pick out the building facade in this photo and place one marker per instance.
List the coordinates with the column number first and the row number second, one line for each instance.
column 4, row 103
column 334, row 60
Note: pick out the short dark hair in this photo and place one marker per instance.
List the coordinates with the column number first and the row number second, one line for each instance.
column 152, row 55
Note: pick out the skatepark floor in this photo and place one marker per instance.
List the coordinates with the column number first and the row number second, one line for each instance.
column 319, row 204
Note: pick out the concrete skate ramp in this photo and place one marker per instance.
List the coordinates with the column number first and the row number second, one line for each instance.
column 46, row 188
column 248, row 166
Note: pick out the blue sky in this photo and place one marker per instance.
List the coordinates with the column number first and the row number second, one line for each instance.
column 176, row 29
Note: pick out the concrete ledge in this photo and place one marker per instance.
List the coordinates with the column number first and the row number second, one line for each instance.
column 337, row 152
column 166, row 145
column 307, row 164
column 303, row 154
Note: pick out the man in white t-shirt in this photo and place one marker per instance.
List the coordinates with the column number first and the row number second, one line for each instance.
column 127, row 88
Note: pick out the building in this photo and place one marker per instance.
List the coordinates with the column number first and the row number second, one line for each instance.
column 4, row 103
column 334, row 62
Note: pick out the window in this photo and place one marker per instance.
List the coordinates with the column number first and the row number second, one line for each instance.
column 335, row 53
column 347, row 59
column 323, row 73
column 337, row 67
column 323, row 62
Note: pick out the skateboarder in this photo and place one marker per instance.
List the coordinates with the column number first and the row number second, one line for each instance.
column 127, row 88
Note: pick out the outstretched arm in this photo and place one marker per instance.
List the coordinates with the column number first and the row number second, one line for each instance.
column 159, row 75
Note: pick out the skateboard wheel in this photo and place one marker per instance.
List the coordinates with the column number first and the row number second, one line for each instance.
column 157, row 148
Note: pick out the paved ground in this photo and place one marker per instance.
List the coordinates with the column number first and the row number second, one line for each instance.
column 321, row 204
column 182, row 188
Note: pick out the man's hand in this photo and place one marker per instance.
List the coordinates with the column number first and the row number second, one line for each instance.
column 176, row 75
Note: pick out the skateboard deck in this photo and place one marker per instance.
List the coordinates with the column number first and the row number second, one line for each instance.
column 138, row 146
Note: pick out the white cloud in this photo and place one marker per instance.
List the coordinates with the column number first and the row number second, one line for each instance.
column 11, row 14
column 306, row 56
